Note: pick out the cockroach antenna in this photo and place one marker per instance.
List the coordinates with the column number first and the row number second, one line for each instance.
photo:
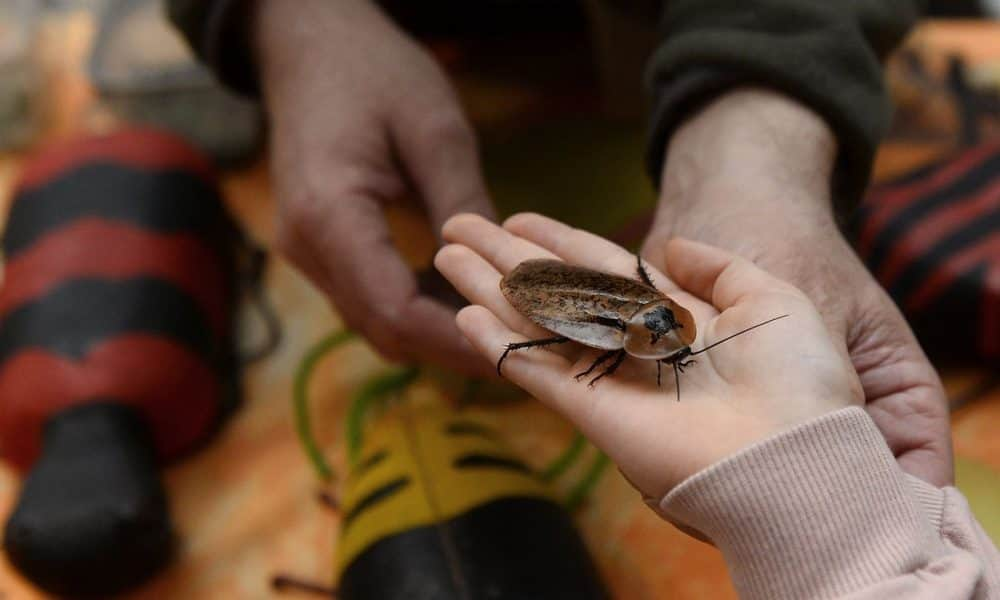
column 738, row 333
column 678, row 363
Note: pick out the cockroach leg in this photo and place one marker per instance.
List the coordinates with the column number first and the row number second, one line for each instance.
column 677, row 381
column 619, row 359
column 600, row 360
column 681, row 364
column 530, row 344
column 678, row 363
column 643, row 273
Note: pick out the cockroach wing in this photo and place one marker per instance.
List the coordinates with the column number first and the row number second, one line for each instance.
column 587, row 306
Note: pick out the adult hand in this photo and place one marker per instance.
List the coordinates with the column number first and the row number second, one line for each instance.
column 751, row 173
column 361, row 115
column 750, row 388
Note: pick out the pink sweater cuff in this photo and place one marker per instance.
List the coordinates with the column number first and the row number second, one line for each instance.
column 818, row 511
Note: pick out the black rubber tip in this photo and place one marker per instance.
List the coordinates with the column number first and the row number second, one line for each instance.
column 92, row 518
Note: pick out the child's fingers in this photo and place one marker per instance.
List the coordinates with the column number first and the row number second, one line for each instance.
column 580, row 247
column 717, row 276
column 501, row 248
column 538, row 372
column 479, row 282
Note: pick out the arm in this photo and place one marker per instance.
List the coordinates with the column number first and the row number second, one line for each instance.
column 768, row 454
column 754, row 143
column 360, row 115
column 823, row 511
column 825, row 55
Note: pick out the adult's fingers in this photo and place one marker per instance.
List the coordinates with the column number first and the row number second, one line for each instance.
column 439, row 151
column 904, row 393
column 716, row 276
column 581, row 247
column 374, row 290
column 499, row 247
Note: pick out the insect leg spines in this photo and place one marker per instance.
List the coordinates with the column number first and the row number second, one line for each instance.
column 643, row 273
column 619, row 359
column 598, row 362
column 529, row 344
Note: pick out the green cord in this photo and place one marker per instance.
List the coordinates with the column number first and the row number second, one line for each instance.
column 300, row 399
column 564, row 461
column 586, row 486
column 376, row 388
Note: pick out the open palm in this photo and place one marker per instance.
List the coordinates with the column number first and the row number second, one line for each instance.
column 749, row 388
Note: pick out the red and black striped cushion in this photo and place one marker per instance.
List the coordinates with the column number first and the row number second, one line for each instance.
column 932, row 239
column 118, row 285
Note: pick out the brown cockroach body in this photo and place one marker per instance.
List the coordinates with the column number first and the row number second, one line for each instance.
column 617, row 314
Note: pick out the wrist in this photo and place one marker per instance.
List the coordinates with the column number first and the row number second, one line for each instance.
column 750, row 140
column 750, row 169
column 311, row 38
column 827, row 492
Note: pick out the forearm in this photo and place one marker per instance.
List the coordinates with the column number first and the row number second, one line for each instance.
column 823, row 55
column 824, row 511
column 751, row 167
column 749, row 135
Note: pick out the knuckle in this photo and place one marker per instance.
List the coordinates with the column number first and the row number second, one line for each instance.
column 383, row 325
column 447, row 127
column 293, row 226
column 387, row 316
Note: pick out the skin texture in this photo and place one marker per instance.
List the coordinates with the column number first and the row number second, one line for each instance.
column 362, row 116
column 750, row 173
column 741, row 392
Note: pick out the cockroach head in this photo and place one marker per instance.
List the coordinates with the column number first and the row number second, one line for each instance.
column 658, row 330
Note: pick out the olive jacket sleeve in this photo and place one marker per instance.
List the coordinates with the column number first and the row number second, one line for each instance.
column 217, row 31
column 825, row 54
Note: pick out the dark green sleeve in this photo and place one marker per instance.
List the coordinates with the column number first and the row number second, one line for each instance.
column 218, row 32
column 825, row 53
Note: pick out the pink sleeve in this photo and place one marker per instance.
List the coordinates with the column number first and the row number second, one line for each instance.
column 823, row 511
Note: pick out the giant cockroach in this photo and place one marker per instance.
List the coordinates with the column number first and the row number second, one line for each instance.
column 619, row 315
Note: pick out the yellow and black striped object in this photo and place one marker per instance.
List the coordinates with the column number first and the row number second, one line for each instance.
column 438, row 508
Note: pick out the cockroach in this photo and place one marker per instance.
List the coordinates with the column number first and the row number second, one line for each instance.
column 617, row 314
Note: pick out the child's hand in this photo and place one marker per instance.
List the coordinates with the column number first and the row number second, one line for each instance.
column 752, row 387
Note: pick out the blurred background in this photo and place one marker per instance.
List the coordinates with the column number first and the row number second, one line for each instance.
column 554, row 139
